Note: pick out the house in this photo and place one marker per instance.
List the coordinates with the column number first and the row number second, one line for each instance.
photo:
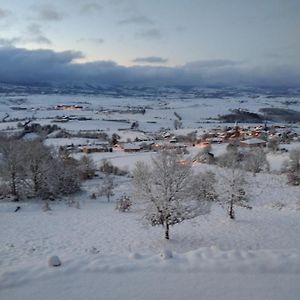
column 95, row 148
column 205, row 158
column 169, row 146
column 204, row 145
column 131, row 147
column 253, row 142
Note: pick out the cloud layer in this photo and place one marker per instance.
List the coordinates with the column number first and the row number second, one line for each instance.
column 4, row 13
column 46, row 66
column 150, row 60
column 47, row 12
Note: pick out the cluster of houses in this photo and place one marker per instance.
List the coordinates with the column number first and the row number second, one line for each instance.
column 151, row 146
column 84, row 145
column 251, row 137
column 244, row 137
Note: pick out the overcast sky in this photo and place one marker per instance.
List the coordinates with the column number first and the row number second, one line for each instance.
column 221, row 41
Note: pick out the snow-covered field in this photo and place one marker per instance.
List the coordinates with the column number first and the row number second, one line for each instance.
column 109, row 255
column 104, row 111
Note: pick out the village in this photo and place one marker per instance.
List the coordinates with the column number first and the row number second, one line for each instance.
column 257, row 136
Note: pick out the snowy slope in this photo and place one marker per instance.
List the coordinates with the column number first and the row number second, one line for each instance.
column 107, row 254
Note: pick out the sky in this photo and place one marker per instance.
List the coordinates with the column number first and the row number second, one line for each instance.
column 221, row 42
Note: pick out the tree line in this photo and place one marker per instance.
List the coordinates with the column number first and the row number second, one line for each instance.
column 31, row 169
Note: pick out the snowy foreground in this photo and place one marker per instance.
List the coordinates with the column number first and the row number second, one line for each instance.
column 106, row 254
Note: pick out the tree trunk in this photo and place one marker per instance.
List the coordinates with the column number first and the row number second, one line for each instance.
column 35, row 184
column 167, row 237
column 13, row 184
column 231, row 211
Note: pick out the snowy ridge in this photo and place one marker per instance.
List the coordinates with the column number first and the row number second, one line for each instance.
column 201, row 260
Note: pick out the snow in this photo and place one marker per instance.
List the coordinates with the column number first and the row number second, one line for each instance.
column 197, row 113
column 253, row 141
column 109, row 255
column 159, row 285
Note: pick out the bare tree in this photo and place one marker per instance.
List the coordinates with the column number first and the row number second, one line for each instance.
column 177, row 124
column 11, row 164
column 37, row 159
column 166, row 188
column 30, row 168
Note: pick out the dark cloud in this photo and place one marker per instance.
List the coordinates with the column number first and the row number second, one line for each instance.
column 8, row 42
column 21, row 65
column 136, row 20
column 40, row 39
column 150, row 60
column 47, row 12
column 36, row 35
column 89, row 8
column 180, row 28
column 215, row 63
column 4, row 13
column 46, row 66
column 152, row 33
column 32, row 34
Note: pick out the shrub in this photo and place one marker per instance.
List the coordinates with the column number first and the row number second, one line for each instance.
column 124, row 204
column 108, row 168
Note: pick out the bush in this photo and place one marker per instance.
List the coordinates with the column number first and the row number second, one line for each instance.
column 108, row 168
column 87, row 168
column 124, row 204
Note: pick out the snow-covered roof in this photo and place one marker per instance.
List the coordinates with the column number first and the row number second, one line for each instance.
column 31, row 136
column 253, row 141
column 130, row 146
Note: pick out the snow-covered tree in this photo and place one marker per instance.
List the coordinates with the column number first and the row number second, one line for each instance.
column 256, row 161
column 232, row 158
column 294, row 167
column 62, row 178
column 232, row 185
column 273, row 144
column 115, row 139
column 87, row 167
column 295, row 159
column 166, row 188
column 107, row 187
column 204, row 186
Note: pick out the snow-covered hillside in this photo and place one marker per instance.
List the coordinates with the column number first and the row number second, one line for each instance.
column 108, row 254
